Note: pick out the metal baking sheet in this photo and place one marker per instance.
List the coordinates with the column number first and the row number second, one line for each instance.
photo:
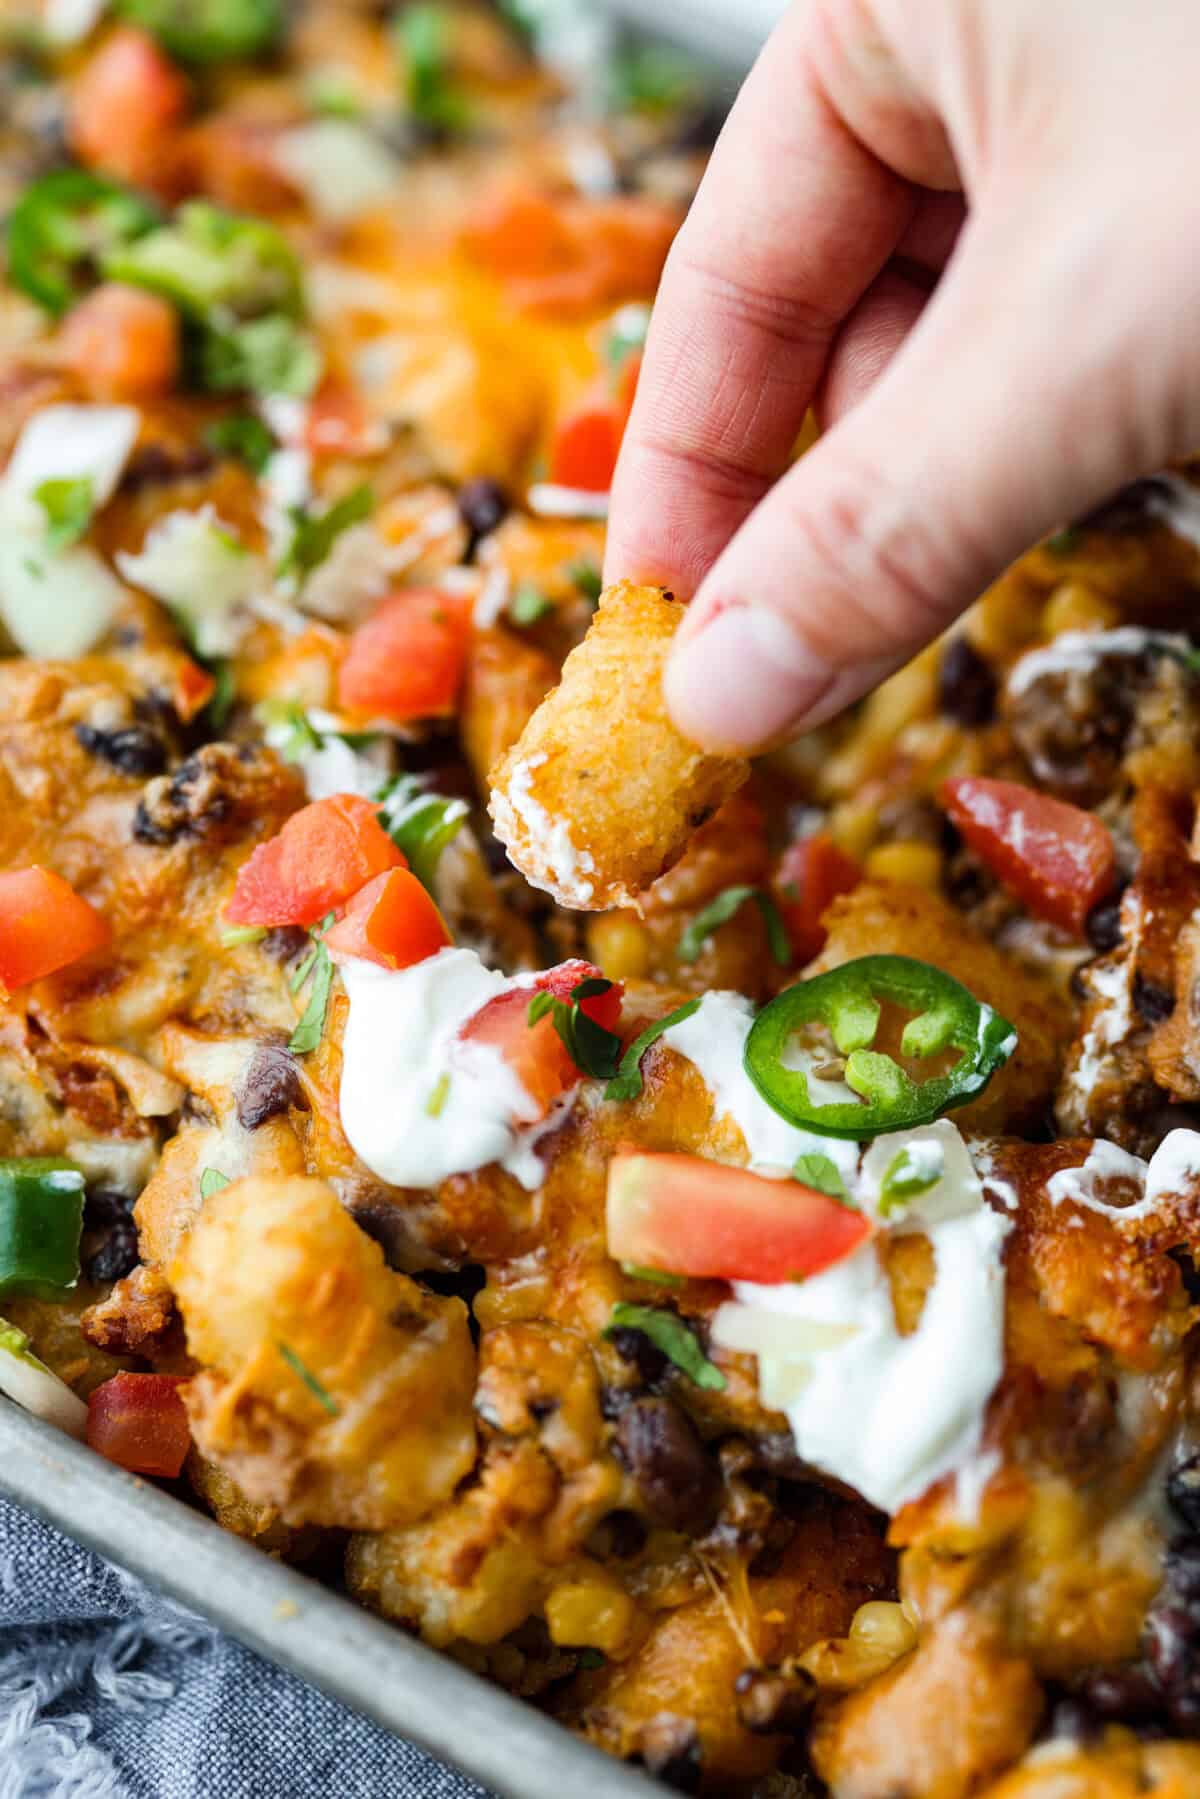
column 376, row 1669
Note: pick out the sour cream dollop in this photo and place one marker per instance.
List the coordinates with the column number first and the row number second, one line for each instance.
column 417, row 1102
column 886, row 1413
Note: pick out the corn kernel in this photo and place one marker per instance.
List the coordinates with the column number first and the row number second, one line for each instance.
column 1073, row 606
column 854, row 826
column 906, row 865
column 619, row 946
column 590, row 1614
column 1008, row 616
column 881, row 1626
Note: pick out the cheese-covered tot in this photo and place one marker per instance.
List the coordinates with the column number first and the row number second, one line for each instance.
column 332, row 1389
column 601, row 793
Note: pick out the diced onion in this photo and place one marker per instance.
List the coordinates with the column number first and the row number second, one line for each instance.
column 775, row 1334
column 35, row 1387
column 58, row 604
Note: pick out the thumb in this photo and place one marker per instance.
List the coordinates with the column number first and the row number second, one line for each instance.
column 1024, row 394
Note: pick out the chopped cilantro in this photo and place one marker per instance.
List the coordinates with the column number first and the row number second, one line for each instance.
column 309, row 1378
column 420, row 823
column 272, row 355
column 657, row 1275
column 594, row 1050
column 653, row 78
column 822, row 1174
column 243, row 437
column 586, row 577
column 528, row 604
column 721, row 910
column 308, row 1033
column 68, row 504
column 423, row 33
column 224, row 693
column 242, row 933
column 909, row 1174
column 314, row 534
column 673, row 1336
column 627, row 1082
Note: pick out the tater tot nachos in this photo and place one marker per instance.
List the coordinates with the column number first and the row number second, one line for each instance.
column 709, row 1246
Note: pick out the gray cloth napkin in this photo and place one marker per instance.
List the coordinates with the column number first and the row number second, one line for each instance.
column 110, row 1692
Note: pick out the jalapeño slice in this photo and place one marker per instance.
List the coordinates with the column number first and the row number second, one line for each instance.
column 847, row 1001
column 62, row 229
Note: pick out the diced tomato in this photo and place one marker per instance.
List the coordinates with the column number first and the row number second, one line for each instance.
column 125, row 106
column 810, row 876
column 1058, row 860
column 392, row 921
column 323, row 856
column 688, row 1216
column 44, row 925
column 138, row 1421
column 536, row 1053
column 407, row 661
column 122, row 343
column 194, row 687
column 585, row 448
column 338, row 422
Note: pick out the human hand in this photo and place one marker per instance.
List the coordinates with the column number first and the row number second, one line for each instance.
column 963, row 230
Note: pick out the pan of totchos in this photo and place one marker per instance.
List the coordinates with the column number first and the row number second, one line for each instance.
column 707, row 1246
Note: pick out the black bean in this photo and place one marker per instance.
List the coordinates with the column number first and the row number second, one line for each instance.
column 482, row 505
column 1103, row 925
column 620, row 1535
column 155, row 464
column 966, row 684
column 385, row 1224
column 285, row 942
column 1183, row 1567
column 676, row 1476
column 213, row 785
column 117, row 1256
column 1125, row 1695
column 635, row 1346
column 1184, row 1712
column 1183, row 1491
column 1153, row 1002
column 104, row 1205
column 134, row 750
column 671, row 1752
column 774, row 1704
column 1172, row 1640
column 270, row 1088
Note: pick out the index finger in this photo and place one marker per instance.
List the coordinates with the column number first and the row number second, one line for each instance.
column 791, row 224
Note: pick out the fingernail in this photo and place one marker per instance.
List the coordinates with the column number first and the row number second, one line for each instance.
column 743, row 679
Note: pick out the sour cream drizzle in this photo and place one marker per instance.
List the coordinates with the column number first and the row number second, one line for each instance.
column 417, row 1102
column 1173, row 1169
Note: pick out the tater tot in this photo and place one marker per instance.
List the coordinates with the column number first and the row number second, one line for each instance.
column 334, row 1390
column 601, row 793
